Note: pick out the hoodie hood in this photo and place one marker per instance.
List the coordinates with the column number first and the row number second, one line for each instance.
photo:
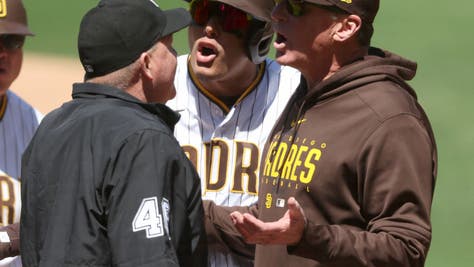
column 378, row 65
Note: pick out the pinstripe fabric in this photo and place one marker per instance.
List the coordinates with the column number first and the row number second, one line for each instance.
column 225, row 145
column 17, row 126
column 18, row 122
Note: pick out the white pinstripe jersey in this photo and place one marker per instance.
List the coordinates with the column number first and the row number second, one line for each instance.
column 225, row 145
column 18, row 122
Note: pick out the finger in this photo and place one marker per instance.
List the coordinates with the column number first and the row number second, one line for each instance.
column 245, row 228
column 246, row 221
column 236, row 217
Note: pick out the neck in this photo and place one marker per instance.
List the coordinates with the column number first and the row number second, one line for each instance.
column 137, row 92
column 336, row 61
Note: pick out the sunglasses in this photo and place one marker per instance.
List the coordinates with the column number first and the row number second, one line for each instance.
column 12, row 41
column 230, row 18
column 295, row 7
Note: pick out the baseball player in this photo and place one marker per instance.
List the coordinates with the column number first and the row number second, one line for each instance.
column 18, row 119
column 229, row 95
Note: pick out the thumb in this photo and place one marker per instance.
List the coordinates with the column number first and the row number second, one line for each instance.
column 295, row 210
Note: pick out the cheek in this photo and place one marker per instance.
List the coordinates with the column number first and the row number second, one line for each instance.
column 168, row 68
column 167, row 60
column 194, row 33
column 235, row 48
column 16, row 62
column 164, row 82
column 172, row 64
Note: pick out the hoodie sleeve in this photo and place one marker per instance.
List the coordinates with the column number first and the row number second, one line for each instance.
column 9, row 240
column 220, row 231
column 396, row 183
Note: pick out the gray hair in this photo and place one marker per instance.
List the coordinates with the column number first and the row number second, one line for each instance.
column 122, row 78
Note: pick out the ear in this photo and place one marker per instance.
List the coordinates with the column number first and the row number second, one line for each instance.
column 347, row 28
column 145, row 65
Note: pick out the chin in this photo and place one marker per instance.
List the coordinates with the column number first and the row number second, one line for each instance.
column 282, row 59
column 287, row 59
column 171, row 93
column 208, row 73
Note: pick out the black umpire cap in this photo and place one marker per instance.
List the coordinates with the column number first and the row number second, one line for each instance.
column 113, row 34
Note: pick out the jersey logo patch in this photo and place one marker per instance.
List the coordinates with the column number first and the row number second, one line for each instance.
column 280, row 203
column 268, row 200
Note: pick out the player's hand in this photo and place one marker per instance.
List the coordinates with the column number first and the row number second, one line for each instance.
column 9, row 240
column 287, row 230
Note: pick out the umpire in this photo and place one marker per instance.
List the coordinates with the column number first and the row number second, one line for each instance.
column 104, row 181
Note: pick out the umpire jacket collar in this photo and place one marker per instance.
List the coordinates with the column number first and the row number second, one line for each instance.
column 98, row 91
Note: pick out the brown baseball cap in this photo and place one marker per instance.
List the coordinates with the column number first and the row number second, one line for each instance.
column 13, row 18
column 366, row 9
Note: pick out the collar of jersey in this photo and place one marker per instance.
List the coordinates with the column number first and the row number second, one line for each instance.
column 3, row 106
column 213, row 98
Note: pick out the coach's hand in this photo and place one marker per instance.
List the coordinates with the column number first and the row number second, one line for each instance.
column 287, row 230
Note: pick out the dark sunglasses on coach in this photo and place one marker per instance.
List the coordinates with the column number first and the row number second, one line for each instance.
column 230, row 18
column 295, row 7
column 12, row 41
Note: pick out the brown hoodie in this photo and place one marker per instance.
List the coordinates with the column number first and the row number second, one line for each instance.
column 358, row 153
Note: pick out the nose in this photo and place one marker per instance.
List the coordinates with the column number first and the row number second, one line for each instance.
column 212, row 28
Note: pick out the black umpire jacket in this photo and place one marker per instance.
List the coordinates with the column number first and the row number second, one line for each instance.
column 105, row 183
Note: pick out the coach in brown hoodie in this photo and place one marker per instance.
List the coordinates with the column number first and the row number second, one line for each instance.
column 349, row 171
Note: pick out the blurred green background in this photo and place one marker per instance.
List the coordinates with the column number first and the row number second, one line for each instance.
column 438, row 36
